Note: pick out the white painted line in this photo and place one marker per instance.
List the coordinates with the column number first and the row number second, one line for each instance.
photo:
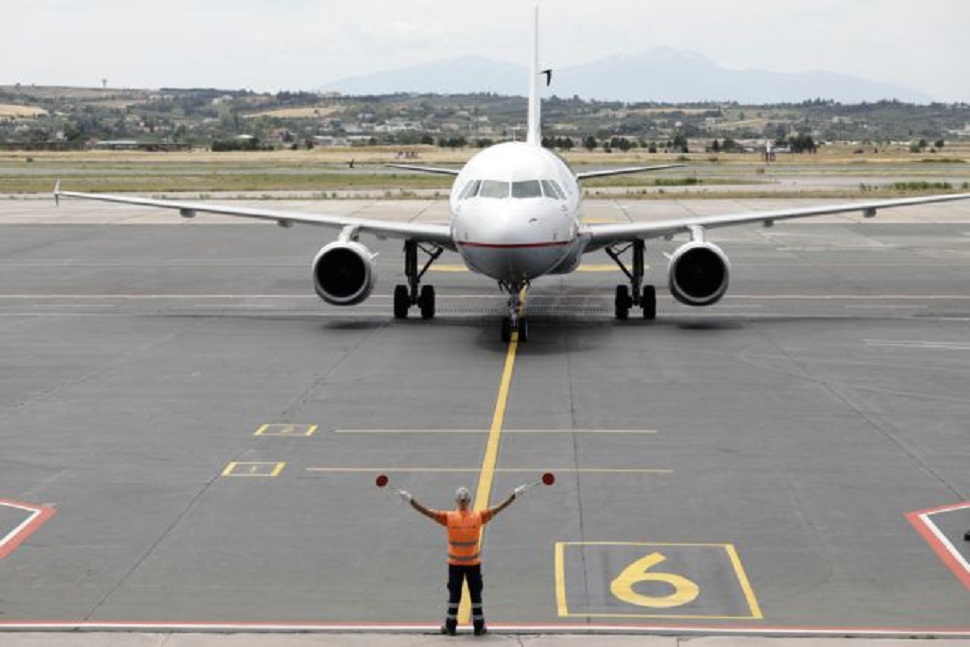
column 880, row 306
column 135, row 297
column 925, row 518
column 922, row 345
column 949, row 508
column 485, row 431
column 10, row 536
column 504, row 470
column 313, row 297
column 853, row 297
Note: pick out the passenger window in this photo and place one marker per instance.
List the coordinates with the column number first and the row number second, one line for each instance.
column 494, row 189
column 552, row 190
column 526, row 189
column 471, row 190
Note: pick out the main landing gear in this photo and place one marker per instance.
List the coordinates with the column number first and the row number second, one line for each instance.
column 415, row 294
column 515, row 322
column 635, row 294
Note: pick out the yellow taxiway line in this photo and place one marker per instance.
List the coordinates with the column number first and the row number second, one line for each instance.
column 484, row 490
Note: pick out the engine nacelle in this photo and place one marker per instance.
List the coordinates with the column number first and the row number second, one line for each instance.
column 698, row 273
column 343, row 273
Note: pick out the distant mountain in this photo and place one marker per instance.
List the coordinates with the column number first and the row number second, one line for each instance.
column 454, row 76
column 661, row 74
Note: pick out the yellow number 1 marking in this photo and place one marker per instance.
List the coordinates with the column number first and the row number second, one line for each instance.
column 685, row 591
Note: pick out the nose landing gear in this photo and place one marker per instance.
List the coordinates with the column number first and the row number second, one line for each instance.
column 515, row 325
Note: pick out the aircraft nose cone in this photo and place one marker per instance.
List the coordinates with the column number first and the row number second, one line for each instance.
column 513, row 240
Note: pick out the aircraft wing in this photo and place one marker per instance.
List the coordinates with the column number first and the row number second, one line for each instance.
column 430, row 233
column 438, row 170
column 585, row 175
column 602, row 235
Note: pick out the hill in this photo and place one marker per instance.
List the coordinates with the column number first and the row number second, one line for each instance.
column 661, row 74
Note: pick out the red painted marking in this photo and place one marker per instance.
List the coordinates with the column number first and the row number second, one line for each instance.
column 39, row 515
column 560, row 628
column 941, row 550
column 562, row 243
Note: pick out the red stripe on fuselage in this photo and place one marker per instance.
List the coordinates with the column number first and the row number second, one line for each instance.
column 561, row 243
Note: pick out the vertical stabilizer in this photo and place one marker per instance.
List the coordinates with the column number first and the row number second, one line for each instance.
column 534, row 135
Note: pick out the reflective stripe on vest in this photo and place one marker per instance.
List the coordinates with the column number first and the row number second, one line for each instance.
column 464, row 534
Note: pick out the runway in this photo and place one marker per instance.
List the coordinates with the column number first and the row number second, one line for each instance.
column 200, row 435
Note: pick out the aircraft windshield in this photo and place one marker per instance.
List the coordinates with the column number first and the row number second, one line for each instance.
column 494, row 189
column 526, row 189
column 552, row 190
column 519, row 190
column 470, row 190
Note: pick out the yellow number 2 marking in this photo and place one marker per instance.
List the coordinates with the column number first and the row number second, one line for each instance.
column 685, row 591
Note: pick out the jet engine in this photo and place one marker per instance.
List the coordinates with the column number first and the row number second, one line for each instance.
column 343, row 273
column 698, row 273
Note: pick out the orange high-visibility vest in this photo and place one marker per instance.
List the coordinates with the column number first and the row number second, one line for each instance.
column 464, row 535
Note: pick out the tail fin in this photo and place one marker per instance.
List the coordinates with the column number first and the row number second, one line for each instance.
column 534, row 134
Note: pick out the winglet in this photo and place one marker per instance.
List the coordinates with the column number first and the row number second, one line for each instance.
column 57, row 193
column 534, row 134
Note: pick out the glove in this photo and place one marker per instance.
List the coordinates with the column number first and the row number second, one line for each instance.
column 405, row 496
column 519, row 491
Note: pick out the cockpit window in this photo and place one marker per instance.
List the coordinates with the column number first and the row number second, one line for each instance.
column 470, row 190
column 552, row 190
column 494, row 189
column 526, row 189
column 521, row 189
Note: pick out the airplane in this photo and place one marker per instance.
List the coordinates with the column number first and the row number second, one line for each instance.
column 515, row 217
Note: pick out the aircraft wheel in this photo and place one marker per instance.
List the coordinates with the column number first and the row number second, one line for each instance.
column 506, row 330
column 426, row 302
column 402, row 302
column 623, row 302
column 649, row 302
column 523, row 329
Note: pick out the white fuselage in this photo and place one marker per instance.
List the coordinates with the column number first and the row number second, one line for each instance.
column 515, row 214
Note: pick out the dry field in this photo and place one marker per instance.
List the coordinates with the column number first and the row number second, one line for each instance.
column 836, row 172
column 306, row 112
column 14, row 111
column 827, row 155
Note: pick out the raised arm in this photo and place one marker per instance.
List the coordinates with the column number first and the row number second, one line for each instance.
column 503, row 505
column 407, row 498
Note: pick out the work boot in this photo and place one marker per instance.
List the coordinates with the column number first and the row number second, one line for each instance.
column 449, row 628
column 480, row 629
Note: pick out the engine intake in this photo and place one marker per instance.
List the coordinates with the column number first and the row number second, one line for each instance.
column 698, row 273
column 343, row 273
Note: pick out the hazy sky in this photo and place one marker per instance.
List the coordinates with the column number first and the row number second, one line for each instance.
column 304, row 44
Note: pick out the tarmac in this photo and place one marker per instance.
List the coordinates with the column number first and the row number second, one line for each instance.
column 390, row 640
column 191, row 438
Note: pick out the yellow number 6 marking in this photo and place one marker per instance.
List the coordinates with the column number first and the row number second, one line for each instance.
column 684, row 592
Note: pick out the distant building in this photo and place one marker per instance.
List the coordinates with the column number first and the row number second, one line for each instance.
column 328, row 140
column 118, row 144
column 135, row 145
